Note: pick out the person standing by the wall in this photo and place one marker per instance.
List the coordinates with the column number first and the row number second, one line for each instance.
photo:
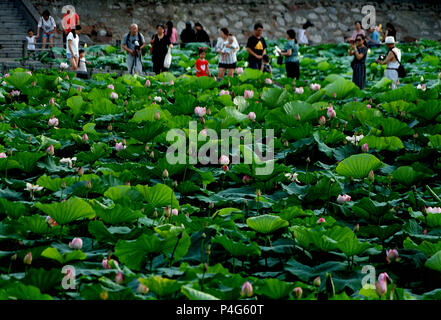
column 256, row 47
column 393, row 60
column 49, row 27
column 69, row 21
column 291, row 53
column 160, row 44
column 171, row 32
column 304, row 37
column 188, row 35
column 201, row 34
column 359, row 62
column 133, row 43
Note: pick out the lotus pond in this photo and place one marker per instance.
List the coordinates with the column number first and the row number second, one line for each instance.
column 86, row 191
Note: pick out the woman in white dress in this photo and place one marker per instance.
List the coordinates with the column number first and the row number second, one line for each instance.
column 304, row 37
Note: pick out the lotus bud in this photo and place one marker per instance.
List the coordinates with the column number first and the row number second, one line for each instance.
column 211, row 205
column 109, row 127
column 14, row 257
column 157, row 115
column 28, row 258
column 298, row 117
column 321, row 220
column 142, row 288
column 204, row 235
column 52, row 101
column 381, row 288
column 308, row 160
column 246, row 178
column 175, row 184
column 89, row 185
column 147, row 83
column 76, row 243
column 258, row 193
column 85, row 137
column 365, row 147
column 298, row 292
column 165, row 173
column 146, row 148
column 152, row 154
column 167, row 212
column 317, row 282
column 286, row 143
column 119, row 278
column 371, row 175
column 392, row 255
column 50, row 150
column 174, row 212
column 155, row 214
column 322, row 120
column 247, row 289
column 81, row 172
column 357, row 228
column 252, row 116
column 209, row 111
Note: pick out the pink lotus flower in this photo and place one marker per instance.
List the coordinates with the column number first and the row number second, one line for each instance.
column 381, row 288
column 248, row 94
column 79, row 88
column 252, row 116
column 315, row 86
column 52, row 101
column 3, row 155
column 109, row 263
column 298, row 292
column 28, row 258
column 171, row 82
column 167, row 211
column 157, row 99
column 119, row 278
column 365, row 147
column 120, row 146
column 268, row 81
column 247, row 289
column 113, row 95
column 203, row 132
column 246, row 178
column 200, row 112
column 85, row 137
column 331, row 113
column 368, row 106
column 111, row 86
column 50, row 150
column 53, row 122
column 322, row 120
column 342, row 199
column 422, row 87
column 66, row 77
column 34, row 83
column 174, row 212
column 142, row 289
column 29, row 73
column 15, row 93
column 321, row 220
column 51, row 222
column 76, row 243
column 224, row 160
column 433, row 210
column 392, row 255
column 157, row 115
column 64, row 65
column 299, row 90
column 224, row 92
column 147, row 83
column 7, row 75
column 4, row 83
column 239, row 70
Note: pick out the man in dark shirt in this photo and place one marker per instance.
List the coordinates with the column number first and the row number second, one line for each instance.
column 201, row 34
column 256, row 47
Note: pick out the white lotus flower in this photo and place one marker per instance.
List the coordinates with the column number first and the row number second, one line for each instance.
column 292, row 177
column 68, row 161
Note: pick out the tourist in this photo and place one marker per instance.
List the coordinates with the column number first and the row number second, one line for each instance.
column 291, row 54
column 227, row 47
column 82, row 66
column 160, row 45
column 49, row 27
column 373, row 39
column 69, row 20
column 266, row 66
column 133, row 43
column 393, row 61
column 390, row 31
column 201, row 34
column 304, row 37
column 358, row 30
column 72, row 47
column 256, row 47
column 171, row 32
column 31, row 40
column 359, row 63
column 202, row 67
column 188, row 35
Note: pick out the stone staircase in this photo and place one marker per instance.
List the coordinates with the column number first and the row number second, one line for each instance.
column 16, row 18
column 14, row 26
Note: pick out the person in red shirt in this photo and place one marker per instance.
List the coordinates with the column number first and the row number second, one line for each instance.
column 202, row 68
column 69, row 21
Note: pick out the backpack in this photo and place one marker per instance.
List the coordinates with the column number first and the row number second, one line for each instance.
column 401, row 70
column 139, row 39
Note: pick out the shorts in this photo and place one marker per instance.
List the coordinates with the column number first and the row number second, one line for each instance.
column 69, row 55
column 228, row 65
column 48, row 35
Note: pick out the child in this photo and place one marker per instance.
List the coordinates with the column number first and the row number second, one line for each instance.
column 228, row 48
column 201, row 64
column 266, row 67
column 83, row 62
column 31, row 42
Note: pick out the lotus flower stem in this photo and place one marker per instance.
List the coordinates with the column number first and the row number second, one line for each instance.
column 434, row 194
column 174, row 249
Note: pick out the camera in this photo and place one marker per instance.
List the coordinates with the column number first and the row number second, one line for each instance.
column 137, row 46
column 381, row 57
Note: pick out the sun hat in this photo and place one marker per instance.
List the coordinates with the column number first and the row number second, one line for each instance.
column 389, row 40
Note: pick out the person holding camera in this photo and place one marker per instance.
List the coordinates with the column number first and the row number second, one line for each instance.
column 393, row 61
column 160, row 44
column 133, row 44
column 359, row 63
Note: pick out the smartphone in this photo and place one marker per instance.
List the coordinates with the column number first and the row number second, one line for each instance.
column 351, row 41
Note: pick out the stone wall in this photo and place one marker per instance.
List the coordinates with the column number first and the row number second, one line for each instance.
column 333, row 20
